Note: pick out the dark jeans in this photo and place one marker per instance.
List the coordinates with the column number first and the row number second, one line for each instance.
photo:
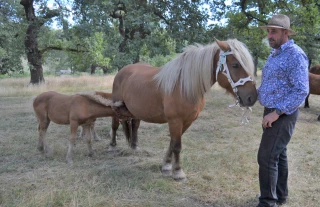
column 272, row 159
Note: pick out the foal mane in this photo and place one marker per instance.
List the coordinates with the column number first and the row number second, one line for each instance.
column 194, row 69
column 97, row 97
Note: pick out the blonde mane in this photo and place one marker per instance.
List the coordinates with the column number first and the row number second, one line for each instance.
column 193, row 69
column 95, row 96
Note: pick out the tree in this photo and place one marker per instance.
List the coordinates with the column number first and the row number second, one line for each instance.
column 135, row 21
column 33, row 53
column 245, row 16
column 11, row 37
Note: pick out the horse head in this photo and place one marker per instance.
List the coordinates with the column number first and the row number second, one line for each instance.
column 234, row 71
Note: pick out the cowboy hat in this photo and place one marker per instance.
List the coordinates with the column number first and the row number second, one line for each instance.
column 279, row 21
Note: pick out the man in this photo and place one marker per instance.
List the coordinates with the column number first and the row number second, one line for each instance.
column 284, row 87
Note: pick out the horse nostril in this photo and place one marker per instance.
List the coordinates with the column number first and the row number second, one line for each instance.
column 249, row 99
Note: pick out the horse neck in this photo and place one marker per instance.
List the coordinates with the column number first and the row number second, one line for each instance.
column 216, row 59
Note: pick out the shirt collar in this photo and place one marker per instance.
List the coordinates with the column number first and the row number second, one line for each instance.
column 282, row 47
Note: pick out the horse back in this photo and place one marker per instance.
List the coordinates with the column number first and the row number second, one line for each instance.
column 315, row 69
column 135, row 87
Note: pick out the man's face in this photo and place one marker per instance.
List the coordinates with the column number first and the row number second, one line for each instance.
column 276, row 37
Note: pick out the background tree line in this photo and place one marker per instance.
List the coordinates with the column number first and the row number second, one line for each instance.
column 109, row 34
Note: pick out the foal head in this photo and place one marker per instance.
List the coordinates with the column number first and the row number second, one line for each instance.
column 234, row 71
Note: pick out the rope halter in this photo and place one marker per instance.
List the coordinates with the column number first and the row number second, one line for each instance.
column 223, row 67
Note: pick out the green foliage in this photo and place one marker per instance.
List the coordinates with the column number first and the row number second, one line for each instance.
column 112, row 33
column 97, row 44
column 11, row 37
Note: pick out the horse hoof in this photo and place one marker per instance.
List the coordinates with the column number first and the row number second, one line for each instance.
column 166, row 169
column 179, row 175
column 180, row 179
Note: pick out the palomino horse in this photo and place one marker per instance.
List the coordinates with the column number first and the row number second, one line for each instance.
column 174, row 93
column 77, row 110
column 313, row 70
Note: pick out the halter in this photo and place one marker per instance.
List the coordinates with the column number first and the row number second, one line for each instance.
column 225, row 70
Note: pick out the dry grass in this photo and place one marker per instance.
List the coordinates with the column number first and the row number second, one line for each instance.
column 218, row 155
column 64, row 84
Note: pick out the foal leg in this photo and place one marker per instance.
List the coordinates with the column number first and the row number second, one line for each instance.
column 93, row 132
column 42, row 143
column 72, row 140
column 87, row 135
column 113, row 134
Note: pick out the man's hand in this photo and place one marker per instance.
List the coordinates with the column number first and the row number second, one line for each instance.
column 269, row 119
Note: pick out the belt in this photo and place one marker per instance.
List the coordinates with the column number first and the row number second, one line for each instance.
column 269, row 110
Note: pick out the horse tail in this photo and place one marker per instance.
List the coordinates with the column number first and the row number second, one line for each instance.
column 127, row 129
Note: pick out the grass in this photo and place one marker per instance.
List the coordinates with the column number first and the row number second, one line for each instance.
column 218, row 156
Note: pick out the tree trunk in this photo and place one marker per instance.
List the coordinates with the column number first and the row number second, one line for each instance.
column 31, row 44
column 95, row 66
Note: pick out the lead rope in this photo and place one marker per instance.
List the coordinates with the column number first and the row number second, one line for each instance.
column 245, row 118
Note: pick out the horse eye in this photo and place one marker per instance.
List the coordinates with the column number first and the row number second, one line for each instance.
column 235, row 65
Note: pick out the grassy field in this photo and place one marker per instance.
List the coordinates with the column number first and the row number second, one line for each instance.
column 218, row 156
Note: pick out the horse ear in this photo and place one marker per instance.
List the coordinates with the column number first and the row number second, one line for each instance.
column 223, row 45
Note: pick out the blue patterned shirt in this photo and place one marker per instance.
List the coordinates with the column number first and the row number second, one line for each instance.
column 284, row 81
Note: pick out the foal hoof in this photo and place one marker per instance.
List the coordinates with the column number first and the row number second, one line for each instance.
column 135, row 148
column 48, row 152
column 97, row 138
column 70, row 162
column 40, row 148
column 112, row 149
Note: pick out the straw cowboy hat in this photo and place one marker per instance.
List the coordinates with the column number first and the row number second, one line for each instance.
column 279, row 21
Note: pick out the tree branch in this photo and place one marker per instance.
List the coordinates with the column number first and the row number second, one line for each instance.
column 62, row 49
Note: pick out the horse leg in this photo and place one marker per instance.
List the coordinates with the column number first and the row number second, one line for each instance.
column 42, row 143
column 306, row 102
column 72, row 140
column 113, row 133
column 88, row 133
column 176, row 130
column 135, row 123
